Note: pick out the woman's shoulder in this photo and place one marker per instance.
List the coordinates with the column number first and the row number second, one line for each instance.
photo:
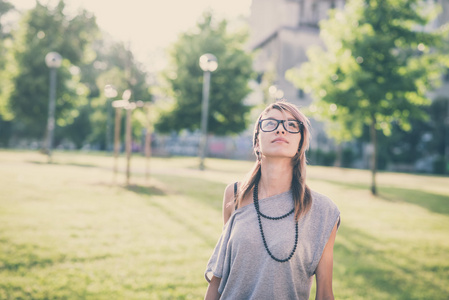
column 231, row 191
column 229, row 199
column 325, row 210
column 320, row 201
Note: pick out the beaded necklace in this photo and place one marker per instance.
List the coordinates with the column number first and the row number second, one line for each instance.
column 259, row 214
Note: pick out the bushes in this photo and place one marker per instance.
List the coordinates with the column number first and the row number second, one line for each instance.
column 440, row 166
column 321, row 158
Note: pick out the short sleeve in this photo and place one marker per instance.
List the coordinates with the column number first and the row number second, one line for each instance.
column 216, row 265
column 326, row 215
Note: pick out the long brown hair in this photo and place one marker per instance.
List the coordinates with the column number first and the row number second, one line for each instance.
column 301, row 192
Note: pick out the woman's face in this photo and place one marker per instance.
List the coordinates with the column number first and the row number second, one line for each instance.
column 280, row 142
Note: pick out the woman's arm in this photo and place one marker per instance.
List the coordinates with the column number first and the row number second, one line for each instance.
column 228, row 208
column 212, row 290
column 228, row 202
column 324, row 270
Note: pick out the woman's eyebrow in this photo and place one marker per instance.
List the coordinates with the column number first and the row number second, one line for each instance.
column 289, row 119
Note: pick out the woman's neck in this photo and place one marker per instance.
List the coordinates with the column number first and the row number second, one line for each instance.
column 276, row 177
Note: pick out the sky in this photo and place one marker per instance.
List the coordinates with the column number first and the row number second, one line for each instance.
column 149, row 26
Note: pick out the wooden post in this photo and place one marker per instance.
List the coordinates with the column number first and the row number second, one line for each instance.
column 373, row 134
column 118, row 115
column 148, row 144
column 128, row 143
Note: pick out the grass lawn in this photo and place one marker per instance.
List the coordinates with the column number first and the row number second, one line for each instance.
column 73, row 230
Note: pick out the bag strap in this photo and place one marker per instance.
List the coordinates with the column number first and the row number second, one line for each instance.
column 235, row 194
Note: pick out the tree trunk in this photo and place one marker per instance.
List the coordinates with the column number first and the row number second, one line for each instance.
column 339, row 159
column 128, row 146
column 148, row 143
column 43, row 148
column 373, row 135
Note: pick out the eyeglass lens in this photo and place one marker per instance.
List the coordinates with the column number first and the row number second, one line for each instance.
column 292, row 126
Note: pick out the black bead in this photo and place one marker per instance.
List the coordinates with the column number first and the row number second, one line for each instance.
column 256, row 205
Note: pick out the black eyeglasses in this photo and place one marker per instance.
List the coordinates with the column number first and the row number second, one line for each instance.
column 268, row 125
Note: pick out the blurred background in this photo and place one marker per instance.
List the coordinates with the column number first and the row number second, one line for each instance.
column 82, row 83
column 262, row 48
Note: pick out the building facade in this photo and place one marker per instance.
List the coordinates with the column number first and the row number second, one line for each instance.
column 282, row 31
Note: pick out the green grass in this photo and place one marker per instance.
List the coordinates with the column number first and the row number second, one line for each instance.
column 73, row 230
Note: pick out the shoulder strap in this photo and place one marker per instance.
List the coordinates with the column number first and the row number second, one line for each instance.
column 235, row 191
column 235, row 194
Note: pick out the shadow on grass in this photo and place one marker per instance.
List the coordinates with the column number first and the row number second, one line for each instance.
column 203, row 191
column 355, row 186
column 216, row 169
column 25, row 261
column 62, row 164
column 145, row 190
column 199, row 192
column 383, row 272
column 25, row 257
column 176, row 216
column 433, row 202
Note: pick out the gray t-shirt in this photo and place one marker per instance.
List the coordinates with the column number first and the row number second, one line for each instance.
column 244, row 266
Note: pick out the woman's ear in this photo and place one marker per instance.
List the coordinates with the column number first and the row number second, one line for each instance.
column 256, row 146
column 257, row 149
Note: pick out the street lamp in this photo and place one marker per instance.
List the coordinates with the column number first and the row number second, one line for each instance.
column 53, row 61
column 208, row 63
column 110, row 92
column 446, row 169
column 276, row 92
column 147, row 106
column 129, row 107
column 119, row 105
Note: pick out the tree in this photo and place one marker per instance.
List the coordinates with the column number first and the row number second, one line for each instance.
column 91, row 60
column 229, row 83
column 439, row 142
column 5, row 7
column 113, row 64
column 377, row 69
column 43, row 29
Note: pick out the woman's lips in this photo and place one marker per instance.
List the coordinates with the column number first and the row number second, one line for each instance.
column 280, row 140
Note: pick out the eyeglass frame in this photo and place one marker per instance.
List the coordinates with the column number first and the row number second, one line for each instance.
column 283, row 124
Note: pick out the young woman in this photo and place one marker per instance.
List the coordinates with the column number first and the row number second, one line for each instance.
column 278, row 234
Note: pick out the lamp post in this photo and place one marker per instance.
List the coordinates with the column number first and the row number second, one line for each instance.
column 53, row 61
column 208, row 63
column 110, row 92
column 446, row 150
column 276, row 92
column 129, row 107
column 146, row 106
column 119, row 105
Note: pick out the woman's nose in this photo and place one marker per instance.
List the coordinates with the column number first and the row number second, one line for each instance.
column 280, row 130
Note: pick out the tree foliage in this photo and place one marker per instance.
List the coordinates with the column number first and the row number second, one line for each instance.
column 42, row 30
column 116, row 66
column 229, row 83
column 90, row 61
column 5, row 8
column 5, row 128
column 379, row 64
